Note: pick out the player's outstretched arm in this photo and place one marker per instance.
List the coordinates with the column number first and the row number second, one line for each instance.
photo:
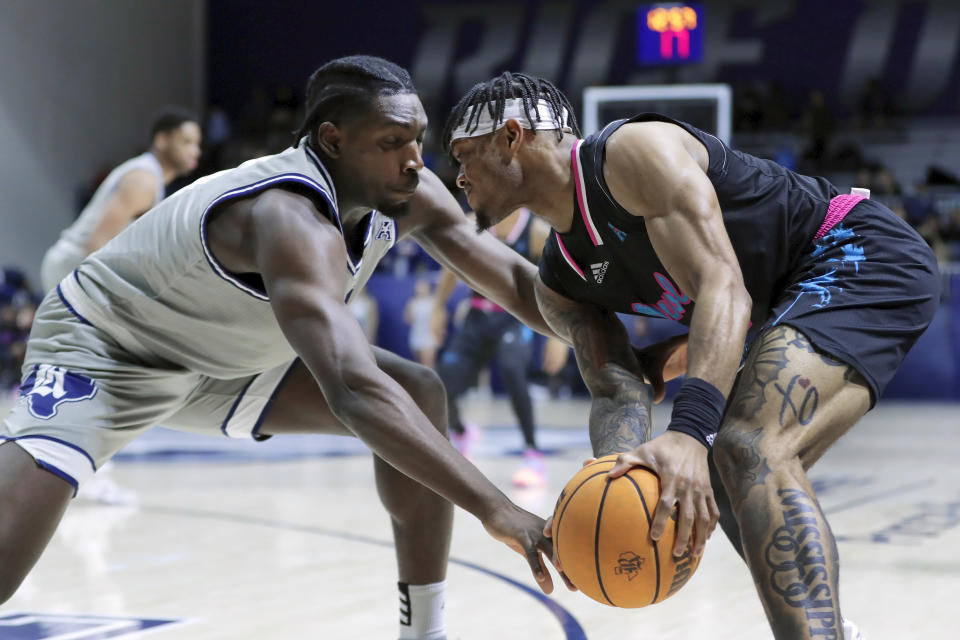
column 620, row 412
column 483, row 262
column 301, row 257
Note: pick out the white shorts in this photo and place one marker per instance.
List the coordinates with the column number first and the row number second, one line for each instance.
column 83, row 398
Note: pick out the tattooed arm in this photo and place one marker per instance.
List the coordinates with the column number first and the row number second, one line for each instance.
column 620, row 413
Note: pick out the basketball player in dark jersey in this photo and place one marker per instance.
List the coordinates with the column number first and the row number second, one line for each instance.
column 489, row 331
column 654, row 217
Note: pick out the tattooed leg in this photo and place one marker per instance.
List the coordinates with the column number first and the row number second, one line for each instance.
column 790, row 405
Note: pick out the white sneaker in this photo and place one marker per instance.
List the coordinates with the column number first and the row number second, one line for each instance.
column 102, row 488
column 850, row 631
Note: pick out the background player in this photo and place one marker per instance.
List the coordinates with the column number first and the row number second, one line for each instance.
column 127, row 192
column 836, row 288
column 489, row 332
column 417, row 313
column 223, row 311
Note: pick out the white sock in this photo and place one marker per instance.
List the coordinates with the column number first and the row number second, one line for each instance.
column 421, row 611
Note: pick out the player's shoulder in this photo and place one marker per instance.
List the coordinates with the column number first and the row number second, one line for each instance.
column 279, row 203
column 140, row 180
column 640, row 140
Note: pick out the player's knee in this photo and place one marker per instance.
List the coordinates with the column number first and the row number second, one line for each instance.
column 740, row 451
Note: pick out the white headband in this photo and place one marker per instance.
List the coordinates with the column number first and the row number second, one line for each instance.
column 544, row 118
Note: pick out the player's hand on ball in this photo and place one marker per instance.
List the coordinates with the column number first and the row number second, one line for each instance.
column 523, row 532
column 681, row 463
column 548, row 532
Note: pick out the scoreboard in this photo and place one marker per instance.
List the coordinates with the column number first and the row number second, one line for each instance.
column 669, row 33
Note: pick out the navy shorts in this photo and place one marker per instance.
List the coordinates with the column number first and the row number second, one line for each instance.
column 864, row 293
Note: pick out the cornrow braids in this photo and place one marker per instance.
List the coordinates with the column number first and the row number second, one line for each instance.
column 346, row 87
column 492, row 96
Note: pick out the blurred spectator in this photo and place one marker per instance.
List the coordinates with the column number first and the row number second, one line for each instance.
column 819, row 126
column 875, row 106
column 365, row 310
column 417, row 314
column 748, row 110
column 776, row 109
column 18, row 304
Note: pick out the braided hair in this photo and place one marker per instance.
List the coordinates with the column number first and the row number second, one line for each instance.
column 346, row 87
column 493, row 94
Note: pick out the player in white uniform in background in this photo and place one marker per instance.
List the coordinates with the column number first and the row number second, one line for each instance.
column 417, row 314
column 128, row 192
column 224, row 311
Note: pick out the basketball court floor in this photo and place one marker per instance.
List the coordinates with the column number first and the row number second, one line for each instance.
column 287, row 539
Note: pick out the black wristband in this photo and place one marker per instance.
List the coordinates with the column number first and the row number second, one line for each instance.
column 698, row 410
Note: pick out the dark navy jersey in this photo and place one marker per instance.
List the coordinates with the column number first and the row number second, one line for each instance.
column 770, row 213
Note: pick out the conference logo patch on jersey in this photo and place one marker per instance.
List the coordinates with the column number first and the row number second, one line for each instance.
column 385, row 232
column 621, row 236
column 50, row 626
column 47, row 387
column 599, row 270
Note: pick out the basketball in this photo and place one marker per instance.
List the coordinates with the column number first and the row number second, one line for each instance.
column 601, row 535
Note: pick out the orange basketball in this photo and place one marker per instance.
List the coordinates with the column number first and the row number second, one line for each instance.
column 601, row 535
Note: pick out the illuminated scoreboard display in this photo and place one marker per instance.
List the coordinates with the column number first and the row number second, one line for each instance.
column 669, row 33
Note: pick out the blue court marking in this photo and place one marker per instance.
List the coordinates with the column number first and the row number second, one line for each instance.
column 883, row 495
column 571, row 628
column 17, row 625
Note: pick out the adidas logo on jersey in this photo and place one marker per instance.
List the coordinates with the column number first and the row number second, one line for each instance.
column 599, row 270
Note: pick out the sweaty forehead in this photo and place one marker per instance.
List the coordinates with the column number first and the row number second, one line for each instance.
column 402, row 109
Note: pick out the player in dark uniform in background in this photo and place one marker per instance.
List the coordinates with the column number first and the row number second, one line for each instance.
column 654, row 217
column 489, row 331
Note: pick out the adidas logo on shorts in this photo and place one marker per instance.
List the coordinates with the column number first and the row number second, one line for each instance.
column 599, row 270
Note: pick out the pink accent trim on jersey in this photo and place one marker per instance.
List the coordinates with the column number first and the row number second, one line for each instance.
column 483, row 304
column 839, row 207
column 566, row 256
column 581, row 199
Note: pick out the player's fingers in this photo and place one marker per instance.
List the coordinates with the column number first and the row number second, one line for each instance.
column 685, row 518
column 548, row 527
column 714, row 511
column 625, row 462
column 662, row 513
column 702, row 527
column 659, row 390
column 540, row 573
column 589, row 461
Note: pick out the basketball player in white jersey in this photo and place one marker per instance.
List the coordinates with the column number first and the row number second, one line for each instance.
column 127, row 193
column 223, row 311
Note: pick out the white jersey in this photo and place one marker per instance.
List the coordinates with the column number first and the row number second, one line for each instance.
column 78, row 234
column 158, row 290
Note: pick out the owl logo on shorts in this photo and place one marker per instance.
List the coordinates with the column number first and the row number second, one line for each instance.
column 47, row 387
